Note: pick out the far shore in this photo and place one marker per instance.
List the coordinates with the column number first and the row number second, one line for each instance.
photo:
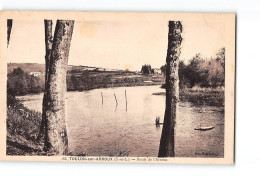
column 108, row 86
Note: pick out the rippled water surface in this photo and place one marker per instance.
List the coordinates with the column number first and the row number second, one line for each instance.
column 110, row 130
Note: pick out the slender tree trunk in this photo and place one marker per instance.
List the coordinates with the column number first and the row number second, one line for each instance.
column 172, row 89
column 56, row 141
column 48, row 47
column 9, row 29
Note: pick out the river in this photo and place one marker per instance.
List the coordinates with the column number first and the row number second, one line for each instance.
column 109, row 130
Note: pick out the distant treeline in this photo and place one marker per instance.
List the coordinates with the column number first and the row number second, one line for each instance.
column 202, row 72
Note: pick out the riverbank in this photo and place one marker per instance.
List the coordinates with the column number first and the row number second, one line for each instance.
column 89, row 80
column 23, row 127
column 201, row 97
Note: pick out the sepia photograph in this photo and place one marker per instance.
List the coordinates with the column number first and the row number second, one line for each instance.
column 127, row 87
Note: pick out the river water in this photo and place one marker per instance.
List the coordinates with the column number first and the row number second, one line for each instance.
column 113, row 130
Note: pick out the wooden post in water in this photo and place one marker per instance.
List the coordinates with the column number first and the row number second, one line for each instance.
column 125, row 100
column 172, row 89
column 115, row 99
column 102, row 98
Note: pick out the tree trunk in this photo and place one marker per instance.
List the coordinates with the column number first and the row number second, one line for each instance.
column 56, row 141
column 9, row 29
column 48, row 47
column 172, row 89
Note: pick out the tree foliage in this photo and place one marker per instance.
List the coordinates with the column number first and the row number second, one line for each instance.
column 147, row 69
column 21, row 83
column 202, row 72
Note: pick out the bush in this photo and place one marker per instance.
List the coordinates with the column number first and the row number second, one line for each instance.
column 202, row 72
column 21, row 83
column 147, row 69
column 21, row 120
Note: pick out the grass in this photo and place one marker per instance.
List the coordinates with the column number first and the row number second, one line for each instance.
column 201, row 97
column 23, row 127
column 207, row 97
column 80, row 81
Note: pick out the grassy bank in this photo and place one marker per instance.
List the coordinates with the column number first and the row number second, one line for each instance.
column 23, row 127
column 206, row 97
column 201, row 97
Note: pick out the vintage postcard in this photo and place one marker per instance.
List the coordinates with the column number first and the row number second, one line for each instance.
column 119, row 87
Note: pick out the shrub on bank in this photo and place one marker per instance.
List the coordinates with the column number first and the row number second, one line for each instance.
column 23, row 127
column 21, row 83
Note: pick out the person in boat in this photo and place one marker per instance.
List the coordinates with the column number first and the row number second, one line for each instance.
column 157, row 121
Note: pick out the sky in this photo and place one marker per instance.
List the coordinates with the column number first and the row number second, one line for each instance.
column 123, row 41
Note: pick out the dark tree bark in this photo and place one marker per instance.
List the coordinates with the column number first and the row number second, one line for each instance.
column 172, row 89
column 55, row 138
column 48, row 47
column 9, row 29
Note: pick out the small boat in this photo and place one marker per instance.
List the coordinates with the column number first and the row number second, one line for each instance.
column 204, row 128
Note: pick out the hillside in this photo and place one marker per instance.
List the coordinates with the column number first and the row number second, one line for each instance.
column 32, row 67
column 36, row 67
column 81, row 78
column 27, row 67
